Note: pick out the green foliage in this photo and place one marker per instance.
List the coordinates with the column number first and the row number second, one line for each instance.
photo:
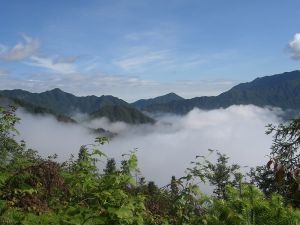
column 218, row 174
column 37, row 191
column 110, row 166
column 286, row 143
column 249, row 207
column 8, row 145
column 282, row 174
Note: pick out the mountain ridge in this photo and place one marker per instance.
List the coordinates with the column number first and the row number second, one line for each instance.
column 63, row 104
column 279, row 90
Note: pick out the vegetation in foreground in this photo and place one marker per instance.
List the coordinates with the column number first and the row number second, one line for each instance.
column 34, row 190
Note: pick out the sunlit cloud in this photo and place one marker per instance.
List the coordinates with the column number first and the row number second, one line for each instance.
column 294, row 47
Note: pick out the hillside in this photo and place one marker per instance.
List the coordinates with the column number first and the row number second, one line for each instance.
column 122, row 113
column 64, row 105
column 280, row 90
column 62, row 102
column 34, row 109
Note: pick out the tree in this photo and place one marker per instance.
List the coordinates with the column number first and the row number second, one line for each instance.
column 286, row 143
column 282, row 173
column 125, row 167
column 174, row 187
column 110, row 166
column 152, row 188
column 218, row 174
column 8, row 146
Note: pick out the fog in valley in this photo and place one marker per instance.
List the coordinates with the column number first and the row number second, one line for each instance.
column 167, row 147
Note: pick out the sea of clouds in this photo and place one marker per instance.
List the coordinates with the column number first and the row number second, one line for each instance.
column 167, row 147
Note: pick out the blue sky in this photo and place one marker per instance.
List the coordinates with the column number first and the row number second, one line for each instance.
column 138, row 49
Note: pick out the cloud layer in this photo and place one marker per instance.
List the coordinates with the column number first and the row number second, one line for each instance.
column 166, row 148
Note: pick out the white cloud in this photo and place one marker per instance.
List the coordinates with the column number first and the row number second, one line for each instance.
column 294, row 47
column 167, row 147
column 20, row 51
column 145, row 58
column 159, row 35
column 62, row 135
column 70, row 59
column 142, row 59
column 137, row 36
column 56, row 66
column 28, row 49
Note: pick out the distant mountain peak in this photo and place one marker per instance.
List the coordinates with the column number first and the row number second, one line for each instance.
column 172, row 94
column 168, row 97
column 140, row 104
column 58, row 93
column 56, row 90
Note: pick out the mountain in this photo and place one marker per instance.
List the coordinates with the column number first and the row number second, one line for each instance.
column 280, row 90
column 62, row 102
column 148, row 103
column 123, row 113
column 33, row 109
column 63, row 105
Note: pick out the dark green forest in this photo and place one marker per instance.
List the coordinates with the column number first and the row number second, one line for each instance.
column 36, row 190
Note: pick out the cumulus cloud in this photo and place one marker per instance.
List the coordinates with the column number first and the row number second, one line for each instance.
column 294, row 47
column 167, row 147
column 20, row 51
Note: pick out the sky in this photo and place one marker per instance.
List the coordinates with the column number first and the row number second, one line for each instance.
column 136, row 49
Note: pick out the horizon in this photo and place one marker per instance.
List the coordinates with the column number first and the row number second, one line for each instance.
column 49, row 90
column 137, row 99
column 146, row 49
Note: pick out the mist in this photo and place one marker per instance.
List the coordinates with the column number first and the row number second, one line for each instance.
column 167, row 147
